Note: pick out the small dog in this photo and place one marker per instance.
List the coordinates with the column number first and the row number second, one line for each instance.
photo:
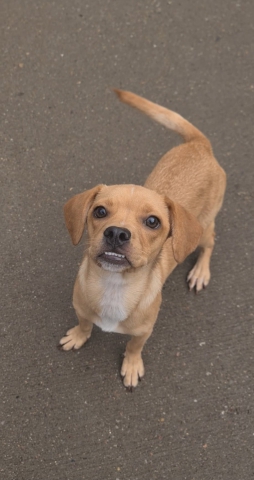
column 137, row 235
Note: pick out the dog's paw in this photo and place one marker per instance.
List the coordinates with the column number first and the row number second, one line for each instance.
column 74, row 339
column 132, row 371
column 199, row 277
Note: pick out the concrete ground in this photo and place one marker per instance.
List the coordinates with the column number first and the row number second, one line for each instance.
column 66, row 416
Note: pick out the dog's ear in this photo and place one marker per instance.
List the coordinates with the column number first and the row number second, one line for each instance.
column 76, row 210
column 185, row 230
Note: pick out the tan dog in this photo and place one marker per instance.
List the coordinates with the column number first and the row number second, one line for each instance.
column 137, row 235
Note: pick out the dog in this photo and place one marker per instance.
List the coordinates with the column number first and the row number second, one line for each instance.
column 138, row 234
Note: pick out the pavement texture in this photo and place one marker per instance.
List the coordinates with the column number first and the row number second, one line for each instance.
column 66, row 416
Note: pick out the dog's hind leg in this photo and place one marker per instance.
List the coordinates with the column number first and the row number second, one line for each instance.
column 199, row 276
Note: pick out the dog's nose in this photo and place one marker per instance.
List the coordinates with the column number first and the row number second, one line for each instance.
column 116, row 236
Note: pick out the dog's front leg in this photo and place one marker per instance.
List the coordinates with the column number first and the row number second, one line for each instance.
column 133, row 367
column 77, row 336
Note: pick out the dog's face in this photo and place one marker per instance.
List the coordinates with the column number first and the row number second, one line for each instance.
column 128, row 225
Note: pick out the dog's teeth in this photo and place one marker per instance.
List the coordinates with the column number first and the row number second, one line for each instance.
column 114, row 254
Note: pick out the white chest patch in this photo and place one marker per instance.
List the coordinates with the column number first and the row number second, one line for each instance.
column 112, row 302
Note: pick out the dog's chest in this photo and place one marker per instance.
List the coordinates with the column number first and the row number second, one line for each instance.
column 112, row 303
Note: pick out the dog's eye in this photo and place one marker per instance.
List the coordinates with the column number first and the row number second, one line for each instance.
column 152, row 222
column 100, row 212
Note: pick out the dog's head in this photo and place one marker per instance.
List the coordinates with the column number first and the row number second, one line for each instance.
column 128, row 225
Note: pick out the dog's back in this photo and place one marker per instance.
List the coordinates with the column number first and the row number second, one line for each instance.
column 189, row 174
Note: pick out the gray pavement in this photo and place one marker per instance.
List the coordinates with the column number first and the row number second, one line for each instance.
column 66, row 416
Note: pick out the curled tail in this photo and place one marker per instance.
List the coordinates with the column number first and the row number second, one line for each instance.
column 169, row 119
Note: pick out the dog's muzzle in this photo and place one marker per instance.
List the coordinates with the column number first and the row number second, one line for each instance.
column 114, row 251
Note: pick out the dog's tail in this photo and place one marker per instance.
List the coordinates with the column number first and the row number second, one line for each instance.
column 167, row 118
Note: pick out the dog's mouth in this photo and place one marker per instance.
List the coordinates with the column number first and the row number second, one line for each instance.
column 111, row 260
